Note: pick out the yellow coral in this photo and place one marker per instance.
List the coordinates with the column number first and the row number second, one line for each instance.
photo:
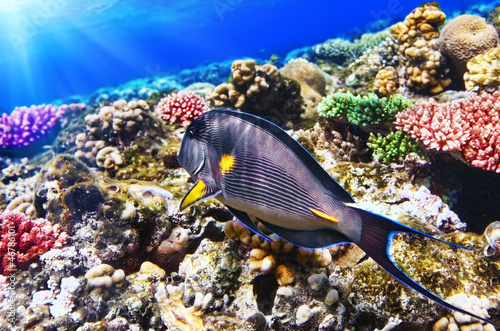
column 284, row 274
column 386, row 81
column 248, row 80
column 235, row 230
column 149, row 270
column 483, row 70
column 417, row 37
column 243, row 71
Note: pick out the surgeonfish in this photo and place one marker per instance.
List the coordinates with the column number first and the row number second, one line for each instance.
column 259, row 172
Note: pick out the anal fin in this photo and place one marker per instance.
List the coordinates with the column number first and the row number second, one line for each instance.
column 317, row 238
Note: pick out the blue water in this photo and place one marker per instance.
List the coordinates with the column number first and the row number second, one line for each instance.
column 55, row 48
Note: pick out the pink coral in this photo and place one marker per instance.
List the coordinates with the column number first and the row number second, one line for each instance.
column 184, row 106
column 470, row 126
column 23, row 239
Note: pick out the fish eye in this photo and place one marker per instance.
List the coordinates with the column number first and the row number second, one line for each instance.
column 190, row 134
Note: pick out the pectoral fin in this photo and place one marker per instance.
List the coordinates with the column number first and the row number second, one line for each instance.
column 204, row 189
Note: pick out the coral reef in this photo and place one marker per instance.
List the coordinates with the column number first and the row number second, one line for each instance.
column 466, row 36
column 394, row 147
column 470, row 126
column 23, row 239
column 131, row 261
column 363, row 109
column 260, row 90
column 418, row 39
column 483, row 71
column 183, row 106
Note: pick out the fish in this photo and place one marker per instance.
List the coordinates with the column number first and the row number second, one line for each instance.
column 259, row 172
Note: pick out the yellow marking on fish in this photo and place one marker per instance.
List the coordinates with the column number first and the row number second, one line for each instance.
column 226, row 163
column 195, row 194
column 324, row 215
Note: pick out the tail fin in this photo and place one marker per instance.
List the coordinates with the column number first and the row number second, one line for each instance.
column 376, row 237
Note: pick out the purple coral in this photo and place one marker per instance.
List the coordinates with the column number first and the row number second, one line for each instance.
column 24, row 125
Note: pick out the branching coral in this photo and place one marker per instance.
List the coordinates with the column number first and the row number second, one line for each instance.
column 25, row 126
column 183, row 106
column 470, row 126
column 23, row 239
column 345, row 146
column 363, row 110
column 261, row 90
column 483, row 70
column 417, row 37
column 466, row 36
column 394, row 147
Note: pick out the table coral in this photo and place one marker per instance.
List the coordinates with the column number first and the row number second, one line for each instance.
column 470, row 126
column 23, row 239
column 363, row 109
column 483, row 70
column 418, row 39
column 466, row 36
column 260, row 90
column 183, row 107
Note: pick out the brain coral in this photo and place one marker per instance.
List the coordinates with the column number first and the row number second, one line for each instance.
column 483, row 70
column 466, row 36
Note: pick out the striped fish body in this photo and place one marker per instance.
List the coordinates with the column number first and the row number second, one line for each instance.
column 259, row 172
column 255, row 168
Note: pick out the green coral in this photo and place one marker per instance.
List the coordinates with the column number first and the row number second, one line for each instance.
column 394, row 147
column 363, row 109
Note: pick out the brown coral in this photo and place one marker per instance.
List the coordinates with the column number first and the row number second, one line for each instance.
column 417, row 36
column 386, row 81
column 112, row 125
column 466, row 36
column 278, row 256
column 260, row 90
column 311, row 79
column 483, row 70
